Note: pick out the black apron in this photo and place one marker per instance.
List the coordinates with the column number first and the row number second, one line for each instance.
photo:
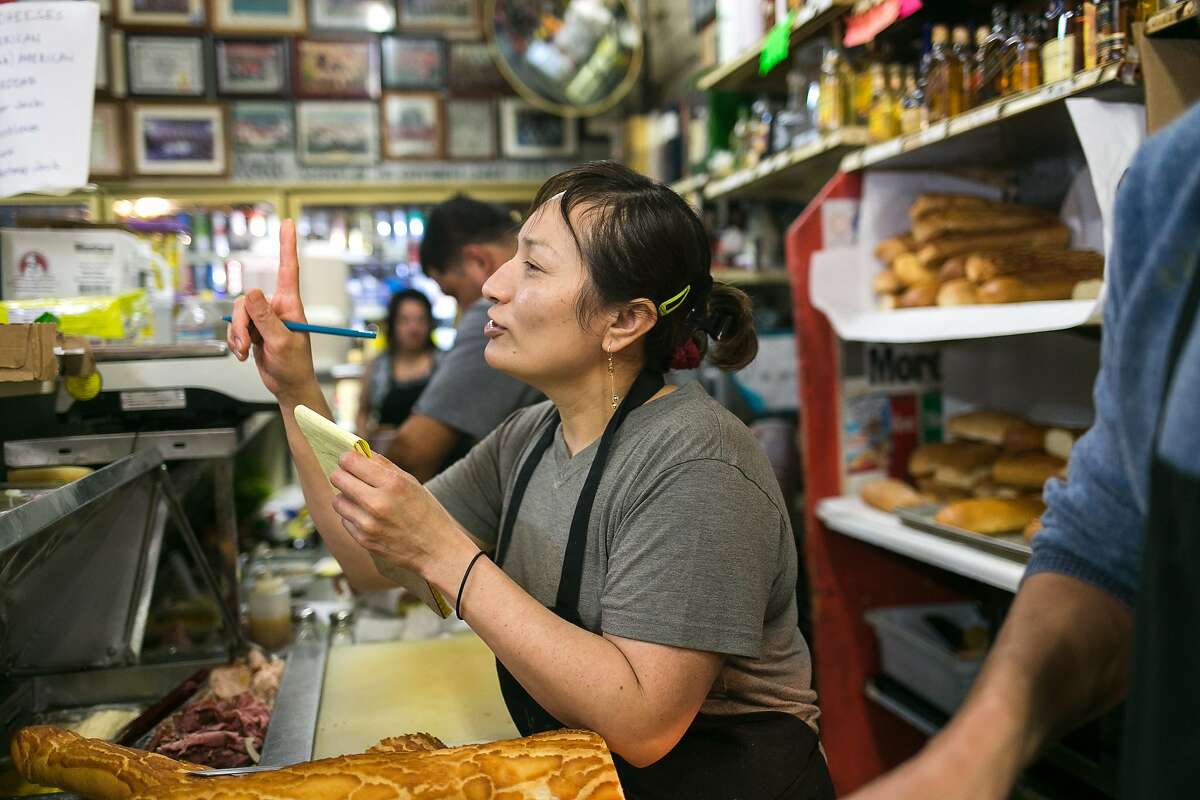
column 762, row 756
column 1161, row 750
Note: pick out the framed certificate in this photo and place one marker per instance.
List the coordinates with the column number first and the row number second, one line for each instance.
column 166, row 66
column 259, row 16
column 179, row 140
column 471, row 129
column 337, row 134
column 336, row 67
column 252, row 67
column 412, row 125
column 263, row 127
column 161, row 13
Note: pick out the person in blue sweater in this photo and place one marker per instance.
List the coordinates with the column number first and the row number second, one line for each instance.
column 1109, row 608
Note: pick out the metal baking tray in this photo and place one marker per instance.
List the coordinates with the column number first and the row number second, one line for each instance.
column 1011, row 546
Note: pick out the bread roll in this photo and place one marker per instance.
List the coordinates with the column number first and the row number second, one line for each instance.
column 1032, row 529
column 911, row 272
column 1026, row 470
column 1017, row 290
column 987, row 265
column 571, row 765
column 888, row 495
column 967, row 466
column 925, row 460
column 959, row 292
column 992, row 489
column 886, row 282
column 918, row 296
column 941, row 494
column 1060, row 441
column 934, row 254
column 1024, row 437
column 953, row 222
column 983, row 426
column 991, row 515
column 935, row 202
column 1088, row 290
column 889, row 250
column 953, row 269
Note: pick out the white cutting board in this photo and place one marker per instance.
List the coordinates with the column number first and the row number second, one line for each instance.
column 446, row 687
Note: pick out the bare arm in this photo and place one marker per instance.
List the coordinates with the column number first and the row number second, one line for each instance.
column 1061, row 658
column 421, row 445
column 641, row 697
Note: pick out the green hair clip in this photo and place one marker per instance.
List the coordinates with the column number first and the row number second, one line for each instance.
column 670, row 304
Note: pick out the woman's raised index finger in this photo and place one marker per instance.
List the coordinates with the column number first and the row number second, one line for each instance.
column 288, row 280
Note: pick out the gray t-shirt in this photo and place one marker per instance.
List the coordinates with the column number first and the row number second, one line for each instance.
column 465, row 393
column 689, row 542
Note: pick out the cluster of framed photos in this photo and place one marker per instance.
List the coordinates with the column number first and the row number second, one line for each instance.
column 325, row 79
column 195, row 139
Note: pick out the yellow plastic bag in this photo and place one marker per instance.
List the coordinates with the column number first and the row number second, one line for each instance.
column 111, row 318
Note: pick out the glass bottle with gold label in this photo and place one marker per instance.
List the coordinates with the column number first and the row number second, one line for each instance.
column 972, row 70
column 912, row 107
column 991, row 79
column 1025, row 66
column 1062, row 51
column 961, row 38
column 882, row 121
column 943, row 82
column 862, row 92
column 833, row 110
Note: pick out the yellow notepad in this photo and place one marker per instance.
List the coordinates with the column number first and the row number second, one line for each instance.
column 329, row 444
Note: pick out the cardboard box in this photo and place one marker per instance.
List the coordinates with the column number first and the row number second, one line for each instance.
column 27, row 353
column 1171, row 70
column 68, row 262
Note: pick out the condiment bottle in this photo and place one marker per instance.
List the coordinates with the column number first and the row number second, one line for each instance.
column 270, row 612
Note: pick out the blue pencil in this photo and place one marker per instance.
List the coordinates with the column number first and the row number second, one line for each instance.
column 304, row 327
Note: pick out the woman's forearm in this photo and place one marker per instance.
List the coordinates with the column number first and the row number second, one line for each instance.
column 584, row 680
column 355, row 561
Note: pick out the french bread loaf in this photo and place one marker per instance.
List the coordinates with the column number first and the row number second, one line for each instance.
column 953, row 269
column 954, row 222
column 983, row 426
column 912, row 272
column 936, row 202
column 991, row 515
column 958, row 292
column 1026, row 470
column 889, row 250
column 1011, row 289
column 888, row 494
column 1083, row 264
column 571, row 765
column 1054, row 236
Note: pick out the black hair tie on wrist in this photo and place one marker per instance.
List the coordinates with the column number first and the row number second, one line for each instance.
column 463, row 585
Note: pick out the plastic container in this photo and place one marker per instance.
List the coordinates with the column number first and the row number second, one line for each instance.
column 914, row 654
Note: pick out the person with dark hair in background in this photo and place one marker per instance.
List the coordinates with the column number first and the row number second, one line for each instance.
column 394, row 380
column 642, row 572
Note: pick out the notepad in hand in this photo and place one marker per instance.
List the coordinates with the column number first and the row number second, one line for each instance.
column 329, row 444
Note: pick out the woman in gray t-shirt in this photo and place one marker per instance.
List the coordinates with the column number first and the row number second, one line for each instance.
column 642, row 570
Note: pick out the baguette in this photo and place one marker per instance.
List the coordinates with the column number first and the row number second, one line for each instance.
column 984, row 266
column 912, row 272
column 572, row 765
column 1024, row 437
column 983, row 426
column 935, row 202
column 1055, row 236
column 952, row 222
column 1026, row 470
column 889, row 250
column 953, row 269
column 888, row 494
column 1017, row 290
column 991, row 515
column 886, row 282
column 919, row 296
column 958, row 292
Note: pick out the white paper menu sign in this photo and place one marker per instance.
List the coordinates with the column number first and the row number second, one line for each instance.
column 47, row 82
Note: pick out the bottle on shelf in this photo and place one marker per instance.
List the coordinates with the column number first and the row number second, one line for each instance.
column 912, row 106
column 1089, row 36
column 1112, row 31
column 990, row 75
column 961, row 47
column 863, row 92
column 794, row 125
column 739, row 140
column 834, row 108
column 1024, row 58
column 943, row 81
column 1062, row 51
column 972, row 68
column 882, row 122
column 895, row 77
column 759, row 131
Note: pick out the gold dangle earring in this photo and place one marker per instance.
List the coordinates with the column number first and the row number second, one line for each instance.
column 612, row 381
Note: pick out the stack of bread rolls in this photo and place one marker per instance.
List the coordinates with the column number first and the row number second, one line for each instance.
column 966, row 250
column 988, row 479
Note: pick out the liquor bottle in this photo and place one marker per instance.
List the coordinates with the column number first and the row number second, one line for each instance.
column 966, row 63
column 1110, row 39
column 1062, row 52
column 943, row 82
column 912, row 107
column 863, row 91
column 761, row 119
column 881, row 124
column 794, row 125
column 896, row 88
column 1025, row 72
column 834, row 109
column 739, row 140
column 972, row 68
column 990, row 75
column 1012, row 46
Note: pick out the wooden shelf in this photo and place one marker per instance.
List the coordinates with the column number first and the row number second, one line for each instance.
column 745, row 277
column 1006, row 130
column 1181, row 20
column 852, row 517
column 742, row 71
column 690, row 185
column 799, row 172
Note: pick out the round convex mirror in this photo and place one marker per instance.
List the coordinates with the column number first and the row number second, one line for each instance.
column 570, row 57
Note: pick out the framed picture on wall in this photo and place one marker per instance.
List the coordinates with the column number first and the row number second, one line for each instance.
column 166, row 66
column 376, row 16
column 161, row 13
column 414, row 62
column 252, row 67
column 412, row 125
column 457, row 18
column 263, row 127
column 470, row 129
column 529, row 132
column 108, row 152
column 336, row 68
column 471, row 68
column 178, row 140
column 337, row 134
column 259, row 16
